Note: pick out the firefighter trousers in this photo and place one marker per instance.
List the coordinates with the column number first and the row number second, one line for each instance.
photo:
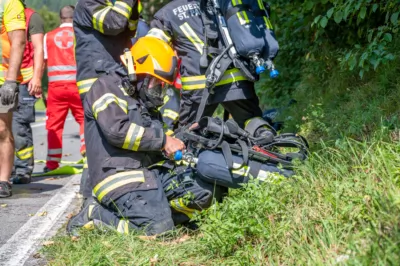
column 61, row 98
column 241, row 110
column 154, row 211
column 144, row 210
column 21, row 127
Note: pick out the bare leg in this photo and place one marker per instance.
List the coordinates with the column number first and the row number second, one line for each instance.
column 6, row 146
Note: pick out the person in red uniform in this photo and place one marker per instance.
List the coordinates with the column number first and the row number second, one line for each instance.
column 29, row 89
column 63, row 93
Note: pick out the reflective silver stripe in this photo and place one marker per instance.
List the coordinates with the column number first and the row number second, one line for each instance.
column 192, row 36
column 133, row 137
column 199, row 82
column 62, row 78
column 98, row 18
column 61, row 68
column 53, row 159
column 159, row 34
column 122, row 8
column 123, row 226
column 54, row 151
column 82, row 136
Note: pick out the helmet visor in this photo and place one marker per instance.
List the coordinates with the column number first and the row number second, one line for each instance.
column 156, row 88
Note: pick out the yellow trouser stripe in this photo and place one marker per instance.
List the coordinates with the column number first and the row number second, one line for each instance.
column 116, row 181
column 85, row 85
column 102, row 103
column 123, row 226
column 180, row 206
column 25, row 153
column 243, row 171
column 192, row 36
column 133, row 137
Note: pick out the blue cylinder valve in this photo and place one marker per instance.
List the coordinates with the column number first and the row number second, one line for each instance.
column 274, row 73
column 260, row 69
column 178, row 156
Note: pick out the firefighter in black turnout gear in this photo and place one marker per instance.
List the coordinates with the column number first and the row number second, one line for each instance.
column 170, row 108
column 103, row 29
column 193, row 34
column 125, row 136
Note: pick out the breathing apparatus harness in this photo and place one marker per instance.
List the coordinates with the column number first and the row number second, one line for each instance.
column 226, row 57
column 259, row 142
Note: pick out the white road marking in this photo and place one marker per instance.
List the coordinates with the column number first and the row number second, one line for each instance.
column 44, row 123
column 27, row 239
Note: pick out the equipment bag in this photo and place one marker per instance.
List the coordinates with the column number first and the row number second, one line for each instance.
column 212, row 168
column 250, row 30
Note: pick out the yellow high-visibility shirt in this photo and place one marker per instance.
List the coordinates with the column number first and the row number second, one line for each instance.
column 12, row 17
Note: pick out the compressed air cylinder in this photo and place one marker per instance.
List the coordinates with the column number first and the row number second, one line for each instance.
column 250, row 29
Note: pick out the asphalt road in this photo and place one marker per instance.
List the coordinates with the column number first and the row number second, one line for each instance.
column 37, row 210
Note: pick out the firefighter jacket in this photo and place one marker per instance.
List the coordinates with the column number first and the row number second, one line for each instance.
column 180, row 22
column 170, row 110
column 102, row 30
column 122, row 138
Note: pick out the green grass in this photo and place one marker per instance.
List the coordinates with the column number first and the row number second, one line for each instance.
column 39, row 105
column 343, row 206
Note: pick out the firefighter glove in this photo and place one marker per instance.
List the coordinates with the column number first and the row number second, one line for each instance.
column 8, row 91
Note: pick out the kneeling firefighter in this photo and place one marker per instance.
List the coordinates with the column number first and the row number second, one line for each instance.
column 124, row 133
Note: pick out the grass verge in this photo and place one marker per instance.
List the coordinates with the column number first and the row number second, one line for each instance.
column 39, row 105
column 343, row 207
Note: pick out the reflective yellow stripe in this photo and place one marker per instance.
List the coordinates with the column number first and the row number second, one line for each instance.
column 27, row 74
column 268, row 23
column 25, row 153
column 159, row 34
column 157, row 164
column 91, row 207
column 179, row 206
column 166, row 99
column 124, row 91
column 85, row 85
column 170, row 114
column 98, row 18
column 249, row 120
column 133, row 137
column 122, row 8
column 89, row 225
column 123, row 226
column 140, row 7
column 132, row 24
column 115, row 181
column 192, row 36
column 169, row 132
column 243, row 171
column 199, row 82
column 102, row 103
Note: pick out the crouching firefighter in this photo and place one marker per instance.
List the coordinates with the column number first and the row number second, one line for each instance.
column 124, row 133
